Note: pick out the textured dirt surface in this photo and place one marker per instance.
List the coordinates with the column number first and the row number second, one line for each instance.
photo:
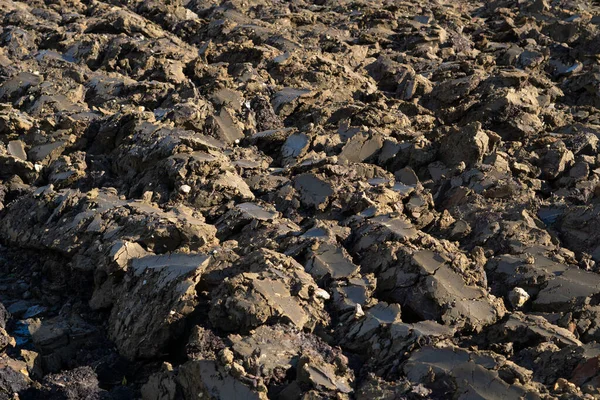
column 299, row 199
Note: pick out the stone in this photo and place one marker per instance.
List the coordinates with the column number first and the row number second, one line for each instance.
column 518, row 297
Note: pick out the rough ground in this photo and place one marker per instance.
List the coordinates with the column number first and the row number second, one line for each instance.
column 248, row 199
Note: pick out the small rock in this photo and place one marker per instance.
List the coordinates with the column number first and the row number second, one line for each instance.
column 518, row 297
column 226, row 356
column 358, row 311
column 185, row 188
column 322, row 294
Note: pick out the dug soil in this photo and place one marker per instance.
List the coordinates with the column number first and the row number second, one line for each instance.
column 302, row 199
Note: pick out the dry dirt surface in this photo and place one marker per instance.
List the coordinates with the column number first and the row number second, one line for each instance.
column 300, row 199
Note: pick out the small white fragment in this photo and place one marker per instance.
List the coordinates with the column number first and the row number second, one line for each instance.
column 172, row 312
column 36, row 73
column 322, row 293
column 215, row 251
column 237, row 141
column 358, row 311
column 518, row 297
column 144, row 282
column 38, row 167
column 185, row 188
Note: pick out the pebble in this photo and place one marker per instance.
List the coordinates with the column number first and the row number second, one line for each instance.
column 518, row 297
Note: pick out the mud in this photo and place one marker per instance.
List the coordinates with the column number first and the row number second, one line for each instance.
column 299, row 200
